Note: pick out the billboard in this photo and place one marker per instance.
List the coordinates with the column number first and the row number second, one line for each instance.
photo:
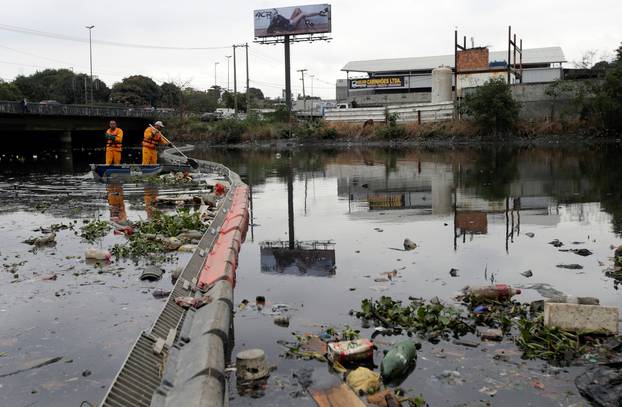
column 385, row 82
column 310, row 19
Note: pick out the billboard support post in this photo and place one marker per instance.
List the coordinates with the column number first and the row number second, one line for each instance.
column 288, row 79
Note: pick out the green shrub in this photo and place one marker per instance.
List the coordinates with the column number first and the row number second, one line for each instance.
column 229, row 131
column 493, row 108
column 391, row 132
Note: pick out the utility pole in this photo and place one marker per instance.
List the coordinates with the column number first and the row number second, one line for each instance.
column 304, row 97
column 215, row 77
column 90, row 28
column 228, row 58
column 248, row 95
column 235, row 85
column 312, row 76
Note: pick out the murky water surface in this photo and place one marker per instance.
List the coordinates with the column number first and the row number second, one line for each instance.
column 488, row 212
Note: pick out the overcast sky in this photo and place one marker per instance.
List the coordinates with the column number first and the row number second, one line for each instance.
column 361, row 30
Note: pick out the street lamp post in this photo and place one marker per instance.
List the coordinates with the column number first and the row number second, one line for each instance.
column 90, row 28
column 228, row 58
column 312, row 76
column 215, row 82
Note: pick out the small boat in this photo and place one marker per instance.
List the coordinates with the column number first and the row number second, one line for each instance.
column 103, row 172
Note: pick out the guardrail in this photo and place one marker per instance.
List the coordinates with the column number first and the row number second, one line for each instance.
column 415, row 112
column 53, row 109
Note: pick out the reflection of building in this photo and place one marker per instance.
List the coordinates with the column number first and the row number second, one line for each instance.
column 475, row 222
column 306, row 258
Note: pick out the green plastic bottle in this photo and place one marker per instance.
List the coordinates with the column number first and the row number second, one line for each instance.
column 398, row 360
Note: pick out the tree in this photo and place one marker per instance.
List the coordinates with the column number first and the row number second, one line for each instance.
column 62, row 85
column 608, row 100
column 493, row 107
column 136, row 90
column 199, row 101
column 8, row 91
column 170, row 95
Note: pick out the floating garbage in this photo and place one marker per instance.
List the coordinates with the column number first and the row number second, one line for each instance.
column 187, row 248
column 193, row 302
column 281, row 320
column 251, row 364
column 151, row 273
column 399, row 360
column 409, row 244
column 160, row 293
column 497, row 292
column 45, row 240
column 363, row 381
column 97, row 254
column 350, row 351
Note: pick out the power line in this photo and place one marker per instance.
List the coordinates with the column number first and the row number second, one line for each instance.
column 29, row 31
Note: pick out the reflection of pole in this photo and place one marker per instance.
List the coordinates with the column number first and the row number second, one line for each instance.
column 306, row 182
column 455, row 219
column 250, row 188
column 290, row 202
column 288, row 80
column 507, row 223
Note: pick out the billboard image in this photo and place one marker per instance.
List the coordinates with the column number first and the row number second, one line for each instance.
column 385, row 82
column 310, row 19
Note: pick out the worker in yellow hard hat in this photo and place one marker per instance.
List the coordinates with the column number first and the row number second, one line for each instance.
column 152, row 138
column 114, row 141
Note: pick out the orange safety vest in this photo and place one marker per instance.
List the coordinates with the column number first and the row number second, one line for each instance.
column 151, row 138
column 115, row 144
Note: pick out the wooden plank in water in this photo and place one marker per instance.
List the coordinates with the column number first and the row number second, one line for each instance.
column 337, row 396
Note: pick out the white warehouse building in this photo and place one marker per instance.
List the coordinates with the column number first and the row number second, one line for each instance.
column 409, row 80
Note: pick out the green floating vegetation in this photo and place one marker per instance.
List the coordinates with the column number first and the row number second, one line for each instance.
column 141, row 242
column 171, row 225
column 94, row 230
column 551, row 344
column 430, row 320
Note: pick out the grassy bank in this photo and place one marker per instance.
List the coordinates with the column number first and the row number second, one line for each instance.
column 231, row 131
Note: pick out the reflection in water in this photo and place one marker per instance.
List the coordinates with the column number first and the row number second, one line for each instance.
column 151, row 196
column 116, row 203
column 306, row 258
column 504, row 181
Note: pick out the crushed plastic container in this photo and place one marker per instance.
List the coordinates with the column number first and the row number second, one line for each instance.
column 350, row 351
column 97, row 254
column 497, row 292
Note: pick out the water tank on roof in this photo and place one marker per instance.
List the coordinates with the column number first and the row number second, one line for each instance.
column 441, row 84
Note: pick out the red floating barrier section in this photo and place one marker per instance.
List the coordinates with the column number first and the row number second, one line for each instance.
column 222, row 260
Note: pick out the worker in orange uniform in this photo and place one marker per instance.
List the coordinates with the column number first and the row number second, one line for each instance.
column 114, row 141
column 152, row 138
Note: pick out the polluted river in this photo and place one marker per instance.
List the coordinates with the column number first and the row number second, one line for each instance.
column 336, row 237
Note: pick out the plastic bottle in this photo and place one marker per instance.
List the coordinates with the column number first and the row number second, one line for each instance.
column 398, row 360
column 497, row 292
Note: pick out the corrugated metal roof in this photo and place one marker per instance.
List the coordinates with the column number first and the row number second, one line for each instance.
column 530, row 56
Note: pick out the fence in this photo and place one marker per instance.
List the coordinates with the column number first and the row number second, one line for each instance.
column 416, row 112
column 57, row 109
